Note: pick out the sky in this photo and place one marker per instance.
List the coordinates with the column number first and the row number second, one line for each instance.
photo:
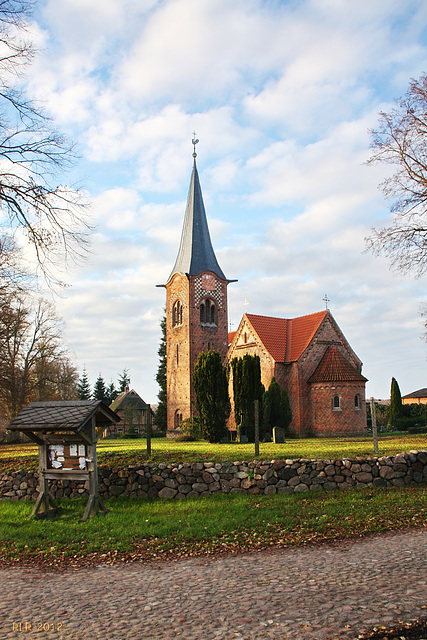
column 282, row 96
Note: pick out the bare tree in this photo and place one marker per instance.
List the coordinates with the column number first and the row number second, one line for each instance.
column 401, row 140
column 33, row 156
column 33, row 363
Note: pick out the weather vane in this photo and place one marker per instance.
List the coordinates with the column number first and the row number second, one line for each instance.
column 194, row 142
column 326, row 300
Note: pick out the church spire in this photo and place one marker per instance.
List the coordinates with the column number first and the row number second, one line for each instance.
column 196, row 253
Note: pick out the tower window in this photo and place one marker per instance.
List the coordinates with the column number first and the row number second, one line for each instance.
column 177, row 419
column 208, row 312
column 357, row 401
column 177, row 314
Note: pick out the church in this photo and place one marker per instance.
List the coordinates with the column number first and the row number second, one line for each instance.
column 309, row 355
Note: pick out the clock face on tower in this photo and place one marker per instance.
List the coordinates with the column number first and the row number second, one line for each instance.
column 208, row 282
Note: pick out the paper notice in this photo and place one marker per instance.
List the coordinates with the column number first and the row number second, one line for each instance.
column 82, row 463
column 73, row 450
column 82, row 450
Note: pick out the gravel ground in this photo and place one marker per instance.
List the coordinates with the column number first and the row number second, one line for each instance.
column 319, row 592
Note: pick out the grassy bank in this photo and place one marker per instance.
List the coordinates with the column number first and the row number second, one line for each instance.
column 123, row 452
column 140, row 529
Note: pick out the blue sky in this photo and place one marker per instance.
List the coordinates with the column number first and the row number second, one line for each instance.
column 281, row 95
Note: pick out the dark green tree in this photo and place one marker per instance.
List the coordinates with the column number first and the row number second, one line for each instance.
column 83, row 387
column 111, row 393
column 277, row 409
column 162, row 409
column 272, row 406
column 212, row 401
column 124, row 380
column 395, row 405
column 99, row 390
column 247, row 387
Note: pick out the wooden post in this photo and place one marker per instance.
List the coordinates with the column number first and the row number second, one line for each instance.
column 256, row 403
column 95, row 504
column 148, row 431
column 374, row 426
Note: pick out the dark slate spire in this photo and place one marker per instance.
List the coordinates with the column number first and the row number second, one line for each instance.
column 196, row 253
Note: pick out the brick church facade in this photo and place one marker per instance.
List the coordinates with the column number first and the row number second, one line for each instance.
column 309, row 355
column 311, row 358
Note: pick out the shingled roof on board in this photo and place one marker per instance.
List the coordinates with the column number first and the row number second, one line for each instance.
column 60, row 415
column 334, row 367
column 286, row 339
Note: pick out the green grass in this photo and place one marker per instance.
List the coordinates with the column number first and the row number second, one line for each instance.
column 123, row 452
column 141, row 529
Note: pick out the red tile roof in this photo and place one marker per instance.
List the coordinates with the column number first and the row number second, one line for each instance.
column 334, row 367
column 284, row 339
column 231, row 336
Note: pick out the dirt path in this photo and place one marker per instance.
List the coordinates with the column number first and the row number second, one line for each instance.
column 311, row 593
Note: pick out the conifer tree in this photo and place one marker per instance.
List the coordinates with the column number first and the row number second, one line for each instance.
column 277, row 409
column 83, row 387
column 99, row 390
column 247, row 387
column 212, row 401
column 395, row 405
column 111, row 393
column 124, row 380
column 162, row 410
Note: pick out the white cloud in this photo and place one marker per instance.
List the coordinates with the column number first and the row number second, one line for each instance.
column 281, row 96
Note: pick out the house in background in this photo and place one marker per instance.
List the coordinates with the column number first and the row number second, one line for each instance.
column 416, row 397
column 312, row 359
column 133, row 411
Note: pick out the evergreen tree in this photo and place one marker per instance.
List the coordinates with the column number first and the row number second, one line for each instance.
column 99, row 390
column 111, row 393
column 83, row 387
column 124, row 380
column 277, row 409
column 247, row 387
column 162, row 411
column 212, row 401
column 395, row 405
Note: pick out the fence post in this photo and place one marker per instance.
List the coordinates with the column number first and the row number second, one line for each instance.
column 256, row 402
column 374, row 426
column 149, row 431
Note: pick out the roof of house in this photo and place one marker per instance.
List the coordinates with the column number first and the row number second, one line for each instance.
column 196, row 253
column 421, row 393
column 286, row 339
column 334, row 367
column 61, row 415
column 129, row 396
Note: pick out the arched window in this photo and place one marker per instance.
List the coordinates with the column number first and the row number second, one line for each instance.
column 207, row 312
column 336, row 403
column 177, row 419
column 357, row 401
column 177, row 314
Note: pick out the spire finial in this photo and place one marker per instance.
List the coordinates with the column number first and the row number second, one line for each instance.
column 326, row 300
column 194, row 142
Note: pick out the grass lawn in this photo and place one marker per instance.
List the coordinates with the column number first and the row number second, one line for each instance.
column 123, row 452
column 141, row 529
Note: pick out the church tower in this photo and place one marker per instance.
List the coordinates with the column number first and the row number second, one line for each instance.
column 196, row 307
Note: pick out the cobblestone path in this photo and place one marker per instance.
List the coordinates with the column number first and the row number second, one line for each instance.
column 311, row 593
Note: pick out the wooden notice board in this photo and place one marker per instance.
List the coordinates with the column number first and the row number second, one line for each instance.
column 72, row 455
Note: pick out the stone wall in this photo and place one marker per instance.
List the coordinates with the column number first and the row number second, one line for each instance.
column 179, row 481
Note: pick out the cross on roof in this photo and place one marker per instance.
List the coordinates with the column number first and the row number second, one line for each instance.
column 194, row 141
column 326, row 300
